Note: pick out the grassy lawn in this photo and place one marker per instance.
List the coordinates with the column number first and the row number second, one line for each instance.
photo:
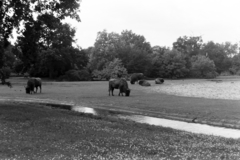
column 95, row 94
column 31, row 131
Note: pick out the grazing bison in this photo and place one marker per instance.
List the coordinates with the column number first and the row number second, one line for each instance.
column 33, row 83
column 136, row 77
column 144, row 83
column 159, row 81
column 120, row 84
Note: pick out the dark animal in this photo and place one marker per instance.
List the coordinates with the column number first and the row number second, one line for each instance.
column 136, row 77
column 159, row 80
column 33, row 83
column 120, row 84
column 144, row 83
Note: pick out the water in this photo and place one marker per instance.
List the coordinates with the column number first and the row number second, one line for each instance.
column 179, row 125
column 185, row 126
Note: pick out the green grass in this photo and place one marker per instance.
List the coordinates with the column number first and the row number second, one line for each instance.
column 34, row 131
column 95, row 94
column 30, row 131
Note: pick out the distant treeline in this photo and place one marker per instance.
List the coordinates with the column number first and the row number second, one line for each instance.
column 45, row 48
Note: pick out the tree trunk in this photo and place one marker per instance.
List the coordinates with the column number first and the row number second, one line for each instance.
column 2, row 76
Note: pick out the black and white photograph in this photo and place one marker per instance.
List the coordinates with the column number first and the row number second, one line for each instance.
column 119, row 80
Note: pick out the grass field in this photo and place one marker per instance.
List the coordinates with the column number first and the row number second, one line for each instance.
column 34, row 131
column 30, row 131
column 95, row 94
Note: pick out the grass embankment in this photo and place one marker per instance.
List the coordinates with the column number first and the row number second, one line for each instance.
column 29, row 131
column 141, row 100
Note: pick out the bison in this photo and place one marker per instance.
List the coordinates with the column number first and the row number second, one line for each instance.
column 33, row 83
column 136, row 77
column 120, row 84
column 144, row 83
column 159, row 81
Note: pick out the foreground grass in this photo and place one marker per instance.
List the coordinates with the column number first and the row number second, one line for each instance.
column 29, row 131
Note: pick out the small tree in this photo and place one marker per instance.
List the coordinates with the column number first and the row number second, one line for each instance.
column 112, row 70
column 203, row 67
column 173, row 65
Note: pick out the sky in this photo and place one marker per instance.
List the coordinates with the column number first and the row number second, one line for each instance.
column 161, row 22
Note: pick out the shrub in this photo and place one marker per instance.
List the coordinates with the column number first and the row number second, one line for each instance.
column 226, row 73
column 112, row 70
column 202, row 67
column 76, row 75
column 6, row 71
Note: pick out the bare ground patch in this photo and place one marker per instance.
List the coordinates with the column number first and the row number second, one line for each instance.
column 203, row 89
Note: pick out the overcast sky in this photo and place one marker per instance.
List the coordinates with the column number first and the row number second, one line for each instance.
column 161, row 22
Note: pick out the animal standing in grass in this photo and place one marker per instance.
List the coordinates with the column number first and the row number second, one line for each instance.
column 33, row 83
column 120, row 84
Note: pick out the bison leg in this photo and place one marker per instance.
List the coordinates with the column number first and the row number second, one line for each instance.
column 112, row 92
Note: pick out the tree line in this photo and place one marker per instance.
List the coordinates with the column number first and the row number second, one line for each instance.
column 44, row 48
column 188, row 57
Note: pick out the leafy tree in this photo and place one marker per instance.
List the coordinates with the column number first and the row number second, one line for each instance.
column 104, row 49
column 18, row 66
column 189, row 46
column 76, row 75
column 219, row 54
column 173, row 65
column 16, row 12
column 114, row 69
column 235, row 68
column 135, row 52
column 157, row 60
column 130, row 48
column 203, row 67
column 20, row 14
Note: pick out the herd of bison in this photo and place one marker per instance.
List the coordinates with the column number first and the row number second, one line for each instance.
column 117, row 83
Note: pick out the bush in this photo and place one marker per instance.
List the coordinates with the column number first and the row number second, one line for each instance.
column 76, row 75
column 202, row 67
column 6, row 71
column 226, row 73
column 112, row 70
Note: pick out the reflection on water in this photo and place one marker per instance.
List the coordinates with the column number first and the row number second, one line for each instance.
column 84, row 110
column 185, row 126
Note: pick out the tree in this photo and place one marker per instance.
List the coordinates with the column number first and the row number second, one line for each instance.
column 113, row 69
column 203, row 67
column 104, row 49
column 189, row 46
column 135, row 52
column 157, row 60
column 18, row 13
column 235, row 68
column 173, row 65
column 219, row 53
column 130, row 48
